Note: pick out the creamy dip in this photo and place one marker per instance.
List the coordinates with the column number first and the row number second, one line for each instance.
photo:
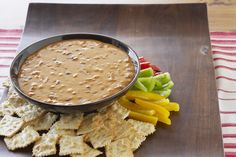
column 75, row 72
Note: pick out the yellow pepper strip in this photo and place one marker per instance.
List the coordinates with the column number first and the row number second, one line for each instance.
column 172, row 106
column 165, row 120
column 143, row 117
column 134, row 107
column 132, row 94
column 124, row 101
column 146, row 112
column 162, row 102
column 149, row 105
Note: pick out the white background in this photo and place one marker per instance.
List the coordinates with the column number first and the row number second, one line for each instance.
column 13, row 12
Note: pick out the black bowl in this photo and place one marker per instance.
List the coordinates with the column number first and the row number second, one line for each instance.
column 20, row 58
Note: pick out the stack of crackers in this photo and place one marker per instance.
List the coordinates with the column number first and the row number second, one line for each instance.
column 78, row 135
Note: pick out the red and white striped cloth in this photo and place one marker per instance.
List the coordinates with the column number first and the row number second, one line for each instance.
column 9, row 40
column 224, row 56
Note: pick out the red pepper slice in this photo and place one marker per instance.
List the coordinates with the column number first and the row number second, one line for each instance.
column 145, row 65
column 142, row 59
column 156, row 68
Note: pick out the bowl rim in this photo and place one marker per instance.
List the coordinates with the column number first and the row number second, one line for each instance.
column 110, row 98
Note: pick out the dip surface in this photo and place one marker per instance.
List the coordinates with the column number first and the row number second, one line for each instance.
column 75, row 72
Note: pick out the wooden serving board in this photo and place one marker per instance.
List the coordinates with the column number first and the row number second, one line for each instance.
column 175, row 37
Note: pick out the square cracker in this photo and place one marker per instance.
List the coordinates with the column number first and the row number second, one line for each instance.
column 121, row 111
column 60, row 132
column 119, row 148
column 142, row 127
column 88, row 152
column 6, row 108
column 29, row 112
column 122, row 130
column 44, row 122
column 46, row 145
column 100, row 137
column 136, row 139
column 126, row 130
column 105, row 109
column 71, row 145
column 109, row 119
column 117, row 127
column 87, row 124
column 108, row 124
column 21, row 140
column 14, row 98
column 70, row 121
column 116, row 109
column 104, row 132
column 10, row 125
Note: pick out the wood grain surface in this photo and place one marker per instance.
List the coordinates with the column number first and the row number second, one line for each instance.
column 221, row 13
column 176, row 38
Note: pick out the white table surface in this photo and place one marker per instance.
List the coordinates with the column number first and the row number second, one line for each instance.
column 13, row 12
column 13, row 15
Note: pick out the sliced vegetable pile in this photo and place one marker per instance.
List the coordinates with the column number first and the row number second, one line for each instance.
column 148, row 99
